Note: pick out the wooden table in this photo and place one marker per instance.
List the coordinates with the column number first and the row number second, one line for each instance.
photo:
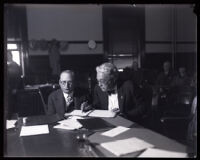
column 63, row 143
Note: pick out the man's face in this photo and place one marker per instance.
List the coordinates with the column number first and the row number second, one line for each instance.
column 135, row 64
column 182, row 72
column 66, row 82
column 166, row 66
column 105, row 83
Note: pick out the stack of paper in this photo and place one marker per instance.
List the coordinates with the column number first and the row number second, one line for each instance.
column 10, row 124
column 153, row 152
column 71, row 123
column 115, row 131
column 34, row 130
column 125, row 146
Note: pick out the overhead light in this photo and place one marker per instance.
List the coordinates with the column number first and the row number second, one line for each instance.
column 11, row 46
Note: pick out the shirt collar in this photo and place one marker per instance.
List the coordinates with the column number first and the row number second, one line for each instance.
column 70, row 94
column 113, row 91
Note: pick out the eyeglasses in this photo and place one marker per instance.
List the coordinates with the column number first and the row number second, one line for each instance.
column 66, row 82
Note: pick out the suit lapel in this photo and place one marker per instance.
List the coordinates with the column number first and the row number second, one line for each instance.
column 120, row 98
column 76, row 99
column 61, row 101
column 106, row 100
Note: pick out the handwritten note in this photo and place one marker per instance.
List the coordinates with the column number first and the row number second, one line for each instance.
column 115, row 131
column 34, row 130
column 153, row 152
column 125, row 146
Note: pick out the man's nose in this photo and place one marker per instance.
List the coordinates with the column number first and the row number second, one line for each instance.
column 67, row 84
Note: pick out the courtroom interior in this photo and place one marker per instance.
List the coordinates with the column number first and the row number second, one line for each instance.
column 100, row 80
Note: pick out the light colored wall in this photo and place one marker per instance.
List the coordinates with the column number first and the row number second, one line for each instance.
column 66, row 22
column 160, row 21
column 84, row 22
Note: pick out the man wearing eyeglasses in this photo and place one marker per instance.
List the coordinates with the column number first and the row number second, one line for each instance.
column 112, row 95
column 68, row 97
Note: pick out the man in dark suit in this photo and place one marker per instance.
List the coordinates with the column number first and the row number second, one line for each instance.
column 67, row 98
column 122, row 98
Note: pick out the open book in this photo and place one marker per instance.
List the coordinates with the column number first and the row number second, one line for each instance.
column 92, row 113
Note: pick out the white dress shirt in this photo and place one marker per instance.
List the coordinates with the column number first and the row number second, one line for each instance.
column 68, row 98
column 113, row 100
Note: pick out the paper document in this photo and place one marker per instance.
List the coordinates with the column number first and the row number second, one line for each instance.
column 115, row 131
column 153, row 152
column 34, row 130
column 10, row 124
column 125, row 146
column 61, row 126
column 102, row 113
column 77, row 113
column 71, row 122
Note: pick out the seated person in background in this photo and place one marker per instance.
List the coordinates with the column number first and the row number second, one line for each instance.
column 193, row 82
column 133, row 73
column 137, row 76
column 68, row 97
column 181, row 79
column 165, row 78
column 109, row 94
column 162, row 89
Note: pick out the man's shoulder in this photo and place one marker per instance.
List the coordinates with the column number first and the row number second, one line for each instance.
column 127, row 84
column 97, row 88
column 55, row 93
column 80, row 92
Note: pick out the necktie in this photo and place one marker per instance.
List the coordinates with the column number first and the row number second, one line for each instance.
column 69, row 100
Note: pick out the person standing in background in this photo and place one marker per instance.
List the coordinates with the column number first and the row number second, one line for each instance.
column 14, row 82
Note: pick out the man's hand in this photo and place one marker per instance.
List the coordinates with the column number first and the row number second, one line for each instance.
column 85, row 106
column 116, row 110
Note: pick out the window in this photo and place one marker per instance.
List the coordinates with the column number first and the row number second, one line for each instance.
column 16, row 56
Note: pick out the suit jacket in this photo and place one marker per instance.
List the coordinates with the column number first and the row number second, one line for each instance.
column 57, row 103
column 131, row 102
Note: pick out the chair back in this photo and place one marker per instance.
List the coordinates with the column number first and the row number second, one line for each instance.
column 29, row 103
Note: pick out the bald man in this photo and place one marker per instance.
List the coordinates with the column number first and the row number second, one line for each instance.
column 68, row 97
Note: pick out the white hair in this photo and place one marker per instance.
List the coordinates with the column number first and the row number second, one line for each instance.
column 108, row 69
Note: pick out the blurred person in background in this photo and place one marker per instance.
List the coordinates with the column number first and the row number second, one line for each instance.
column 14, row 82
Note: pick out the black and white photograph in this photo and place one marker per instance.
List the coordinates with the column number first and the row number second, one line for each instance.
column 100, row 80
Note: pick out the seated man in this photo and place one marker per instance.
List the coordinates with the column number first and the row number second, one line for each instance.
column 68, row 97
column 165, row 78
column 109, row 94
column 181, row 79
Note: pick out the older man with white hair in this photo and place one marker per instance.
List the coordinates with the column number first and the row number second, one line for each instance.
column 118, row 97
